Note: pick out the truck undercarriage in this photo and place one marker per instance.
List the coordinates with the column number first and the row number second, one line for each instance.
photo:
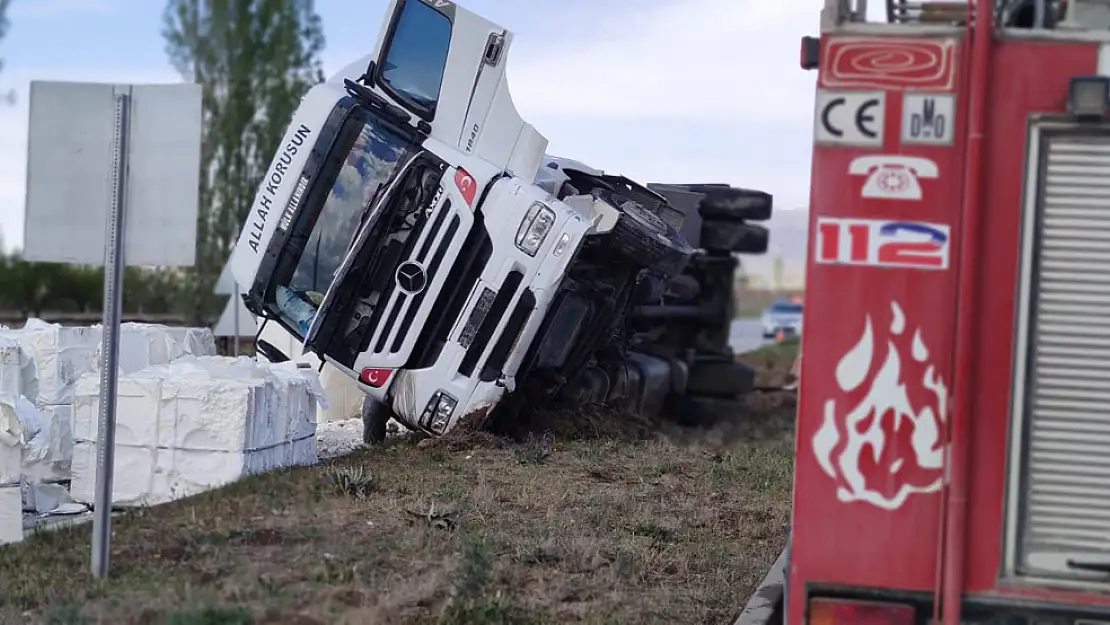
column 645, row 336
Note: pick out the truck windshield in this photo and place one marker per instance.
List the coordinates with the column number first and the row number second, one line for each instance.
column 417, row 55
column 364, row 156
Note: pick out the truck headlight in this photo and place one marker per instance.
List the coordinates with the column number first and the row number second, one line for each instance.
column 534, row 228
column 437, row 414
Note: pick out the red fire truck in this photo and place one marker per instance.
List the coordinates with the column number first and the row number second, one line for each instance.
column 953, row 431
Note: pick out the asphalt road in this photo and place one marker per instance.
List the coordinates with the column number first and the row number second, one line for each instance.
column 746, row 335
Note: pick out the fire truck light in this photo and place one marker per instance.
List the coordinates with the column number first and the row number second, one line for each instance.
column 828, row 611
column 1088, row 96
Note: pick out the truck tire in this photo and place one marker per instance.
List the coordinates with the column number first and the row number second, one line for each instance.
column 375, row 418
column 733, row 236
column 734, row 204
column 639, row 235
column 684, row 287
column 721, row 379
column 644, row 237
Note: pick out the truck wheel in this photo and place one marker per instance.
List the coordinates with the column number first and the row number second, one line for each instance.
column 644, row 237
column 722, row 379
column 734, row 236
column 375, row 417
column 684, row 287
column 736, row 204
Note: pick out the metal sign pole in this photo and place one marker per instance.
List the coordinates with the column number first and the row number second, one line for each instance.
column 235, row 298
column 109, row 367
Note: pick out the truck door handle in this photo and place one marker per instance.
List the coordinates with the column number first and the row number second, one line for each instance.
column 1093, row 566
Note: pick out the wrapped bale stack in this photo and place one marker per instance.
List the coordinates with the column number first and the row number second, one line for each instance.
column 295, row 396
column 344, row 397
column 143, row 345
column 59, row 355
column 17, row 369
column 195, row 425
column 43, row 362
column 12, row 437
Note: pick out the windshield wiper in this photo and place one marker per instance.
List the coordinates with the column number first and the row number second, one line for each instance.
column 398, row 115
column 382, row 194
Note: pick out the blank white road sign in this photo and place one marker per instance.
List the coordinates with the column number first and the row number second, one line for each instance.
column 928, row 118
column 850, row 117
column 69, row 172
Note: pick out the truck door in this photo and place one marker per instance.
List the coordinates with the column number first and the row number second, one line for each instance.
column 446, row 65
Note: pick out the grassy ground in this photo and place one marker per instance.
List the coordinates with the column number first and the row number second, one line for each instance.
column 751, row 303
column 468, row 529
column 772, row 361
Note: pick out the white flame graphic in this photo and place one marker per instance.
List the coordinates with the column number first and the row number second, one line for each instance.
column 886, row 395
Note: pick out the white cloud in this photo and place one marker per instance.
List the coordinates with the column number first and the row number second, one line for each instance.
column 714, row 60
column 682, row 91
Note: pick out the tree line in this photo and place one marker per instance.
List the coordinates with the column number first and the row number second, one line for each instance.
column 254, row 60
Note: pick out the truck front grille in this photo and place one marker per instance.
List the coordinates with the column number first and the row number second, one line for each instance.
column 464, row 275
column 426, row 248
column 490, row 319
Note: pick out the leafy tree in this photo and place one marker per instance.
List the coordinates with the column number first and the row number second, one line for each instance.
column 254, row 60
column 5, row 23
column 36, row 288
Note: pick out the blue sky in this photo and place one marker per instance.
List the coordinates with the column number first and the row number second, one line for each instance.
column 661, row 90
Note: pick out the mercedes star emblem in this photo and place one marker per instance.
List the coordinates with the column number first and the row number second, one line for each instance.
column 411, row 278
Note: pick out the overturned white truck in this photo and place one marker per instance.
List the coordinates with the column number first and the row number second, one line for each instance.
column 411, row 232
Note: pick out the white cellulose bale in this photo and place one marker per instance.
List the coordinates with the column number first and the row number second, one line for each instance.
column 60, row 355
column 221, row 414
column 299, row 392
column 11, row 514
column 143, row 345
column 135, row 482
column 17, row 369
column 11, row 452
column 192, row 342
column 48, row 455
column 194, row 425
column 344, row 399
column 138, row 408
column 343, row 393
column 266, row 427
column 296, row 394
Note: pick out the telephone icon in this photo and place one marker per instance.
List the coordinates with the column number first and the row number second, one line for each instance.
column 893, row 177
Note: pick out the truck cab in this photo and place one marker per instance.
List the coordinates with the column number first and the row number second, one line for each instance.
column 952, row 416
column 412, row 232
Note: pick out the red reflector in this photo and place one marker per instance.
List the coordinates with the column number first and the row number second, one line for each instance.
column 375, row 377
column 465, row 182
column 845, row 612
